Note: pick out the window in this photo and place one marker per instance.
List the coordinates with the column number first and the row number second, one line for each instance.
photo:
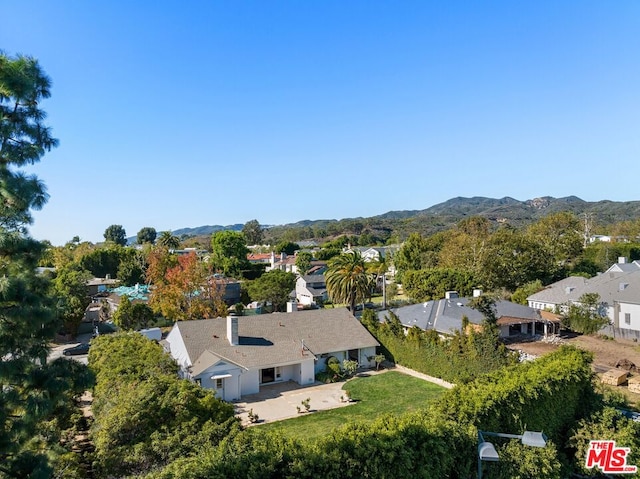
column 219, row 383
column 627, row 318
column 199, row 381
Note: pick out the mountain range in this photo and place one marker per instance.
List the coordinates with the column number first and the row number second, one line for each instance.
column 504, row 210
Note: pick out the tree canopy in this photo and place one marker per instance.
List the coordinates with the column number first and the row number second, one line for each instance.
column 116, row 234
column 146, row 235
column 35, row 395
column 274, row 287
column 253, row 233
column 168, row 240
column 347, row 279
column 229, row 252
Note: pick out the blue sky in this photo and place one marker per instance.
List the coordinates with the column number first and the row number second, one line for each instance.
column 182, row 114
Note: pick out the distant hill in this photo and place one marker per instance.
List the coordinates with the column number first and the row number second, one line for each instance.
column 206, row 230
column 445, row 215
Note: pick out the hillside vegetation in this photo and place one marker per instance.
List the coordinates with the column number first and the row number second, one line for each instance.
column 397, row 225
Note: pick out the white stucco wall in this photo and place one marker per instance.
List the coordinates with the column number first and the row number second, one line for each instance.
column 634, row 311
column 289, row 373
column 307, row 372
column 363, row 358
column 178, row 351
column 366, row 353
column 230, row 386
column 250, row 382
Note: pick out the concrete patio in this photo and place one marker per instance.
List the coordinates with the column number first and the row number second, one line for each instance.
column 278, row 401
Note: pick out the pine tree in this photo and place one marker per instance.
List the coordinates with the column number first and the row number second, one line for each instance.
column 31, row 390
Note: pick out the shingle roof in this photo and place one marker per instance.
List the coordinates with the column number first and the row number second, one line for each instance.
column 558, row 292
column 274, row 339
column 612, row 286
column 446, row 315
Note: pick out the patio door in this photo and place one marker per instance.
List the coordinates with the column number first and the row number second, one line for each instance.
column 268, row 375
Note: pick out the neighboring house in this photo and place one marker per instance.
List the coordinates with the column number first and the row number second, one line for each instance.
column 602, row 238
column 101, row 285
column 283, row 263
column 372, row 253
column 186, row 251
column 228, row 287
column 317, row 267
column 311, row 289
column 445, row 317
column 623, row 266
column 376, row 253
column 619, row 293
column 556, row 296
column 259, row 258
column 236, row 356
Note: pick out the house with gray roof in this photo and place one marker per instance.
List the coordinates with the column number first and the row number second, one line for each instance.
column 618, row 290
column 236, row 356
column 556, row 296
column 446, row 317
column 624, row 266
column 311, row 289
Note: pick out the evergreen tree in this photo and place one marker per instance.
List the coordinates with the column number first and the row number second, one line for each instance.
column 31, row 391
column 116, row 234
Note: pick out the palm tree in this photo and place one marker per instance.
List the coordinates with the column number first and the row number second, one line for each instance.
column 347, row 279
column 168, row 240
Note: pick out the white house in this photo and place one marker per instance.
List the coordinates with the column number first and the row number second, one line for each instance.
column 618, row 289
column 311, row 289
column 235, row 356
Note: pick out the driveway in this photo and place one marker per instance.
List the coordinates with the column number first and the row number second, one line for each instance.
column 56, row 350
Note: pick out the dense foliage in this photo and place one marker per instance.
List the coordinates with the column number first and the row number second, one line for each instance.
column 36, row 396
column 467, row 355
column 585, row 315
column 347, row 279
column 116, row 234
column 145, row 416
column 273, row 287
column 184, row 286
column 441, row 440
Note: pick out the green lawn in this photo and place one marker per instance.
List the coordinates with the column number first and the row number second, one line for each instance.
column 391, row 392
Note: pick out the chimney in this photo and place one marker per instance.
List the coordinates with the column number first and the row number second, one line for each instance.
column 477, row 293
column 283, row 255
column 623, row 286
column 622, row 260
column 232, row 330
column 450, row 294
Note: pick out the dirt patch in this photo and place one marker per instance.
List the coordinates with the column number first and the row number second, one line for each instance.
column 607, row 353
